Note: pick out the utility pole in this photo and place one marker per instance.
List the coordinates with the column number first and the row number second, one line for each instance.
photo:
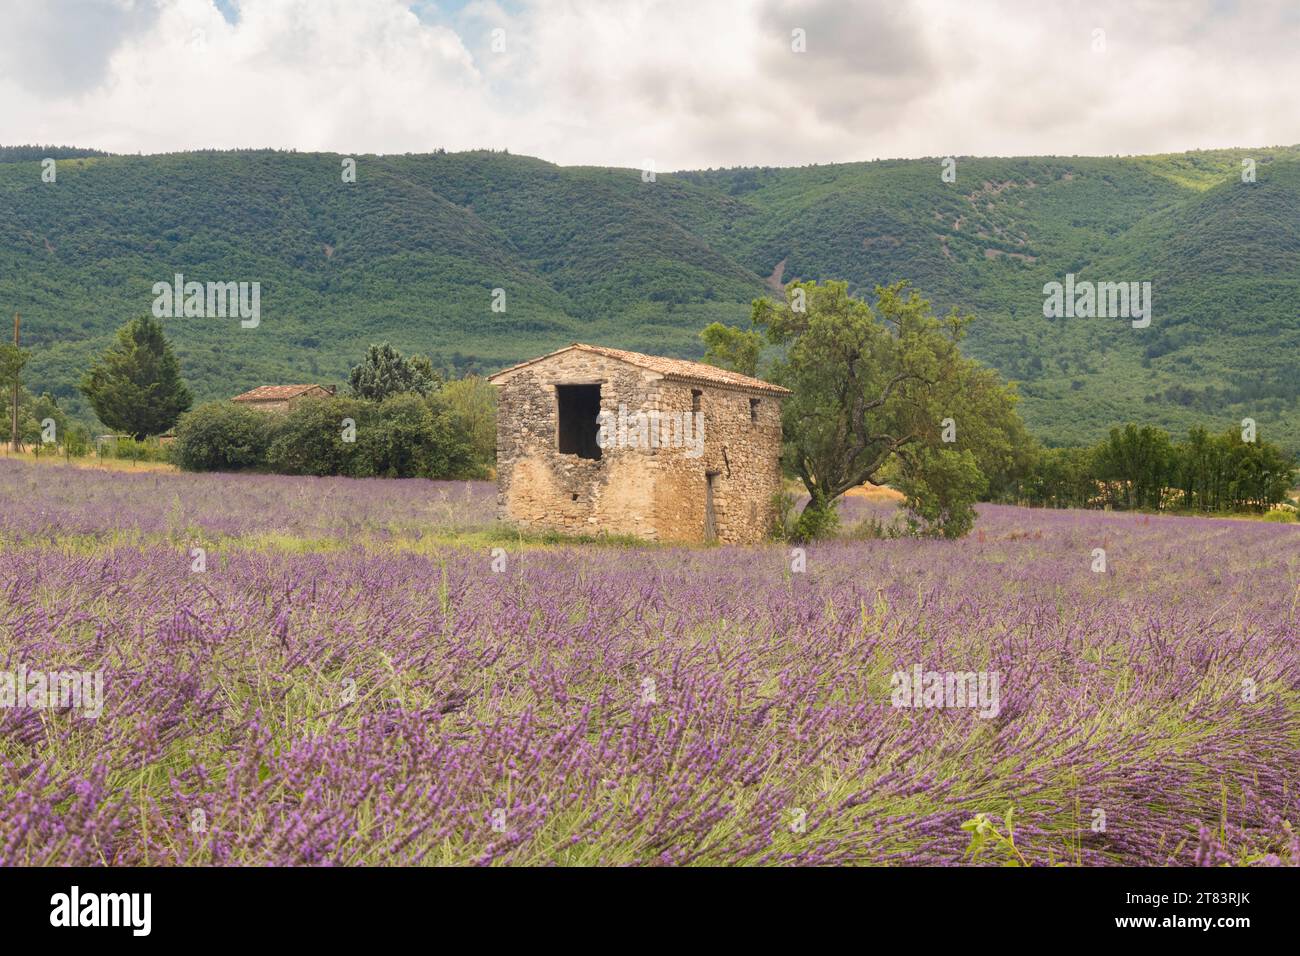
column 14, row 435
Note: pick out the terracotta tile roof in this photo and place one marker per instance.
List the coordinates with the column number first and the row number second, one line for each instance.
column 673, row 368
column 275, row 393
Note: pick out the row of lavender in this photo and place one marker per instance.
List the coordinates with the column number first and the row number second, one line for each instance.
column 57, row 500
column 400, row 701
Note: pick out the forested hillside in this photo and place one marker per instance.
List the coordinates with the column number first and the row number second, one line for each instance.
column 411, row 252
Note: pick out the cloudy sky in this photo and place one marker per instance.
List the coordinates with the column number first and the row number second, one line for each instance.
column 684, row 83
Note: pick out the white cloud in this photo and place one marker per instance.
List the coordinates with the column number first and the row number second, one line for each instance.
column 688, row 83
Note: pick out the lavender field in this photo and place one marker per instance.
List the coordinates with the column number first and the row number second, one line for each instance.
column 348, row 681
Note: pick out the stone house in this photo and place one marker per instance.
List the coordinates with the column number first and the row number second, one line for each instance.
column 280, row 398
column 593, row 439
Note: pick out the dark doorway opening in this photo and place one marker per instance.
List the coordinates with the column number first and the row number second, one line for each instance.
column 579, row 410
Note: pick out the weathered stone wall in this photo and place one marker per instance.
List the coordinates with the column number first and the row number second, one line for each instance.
column 744, row 455
column 283, row 404
column 276, row 405
column 656, row 493
column 540, row 488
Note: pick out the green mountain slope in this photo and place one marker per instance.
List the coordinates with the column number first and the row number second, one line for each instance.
column 412, row 251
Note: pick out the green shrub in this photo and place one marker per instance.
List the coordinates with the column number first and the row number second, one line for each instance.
column 942, row 487
column 222, row 436
column 126, row 448
column 404, row 436
column 472, row 402
column 819, row 519
column 417, row 437
column 311, row 438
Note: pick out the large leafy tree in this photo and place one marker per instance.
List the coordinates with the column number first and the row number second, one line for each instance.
column 731, row 348
column 136, row 385
column 385, row 372
column 886, row 385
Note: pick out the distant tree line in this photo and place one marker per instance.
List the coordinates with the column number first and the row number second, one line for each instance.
column 28, row 153
column 1142, row 468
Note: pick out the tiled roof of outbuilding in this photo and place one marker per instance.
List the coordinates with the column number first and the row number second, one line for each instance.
column 275, row 393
